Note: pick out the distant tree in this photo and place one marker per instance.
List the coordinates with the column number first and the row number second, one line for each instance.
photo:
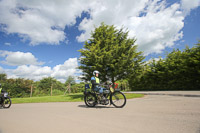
column 69, row 82
column 45, row 84
column 3, row 77
column 78, row 87
column 18, row 87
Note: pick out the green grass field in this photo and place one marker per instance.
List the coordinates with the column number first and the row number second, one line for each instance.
column 67, row 98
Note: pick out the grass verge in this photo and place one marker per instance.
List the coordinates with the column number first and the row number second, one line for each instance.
column 62, row 98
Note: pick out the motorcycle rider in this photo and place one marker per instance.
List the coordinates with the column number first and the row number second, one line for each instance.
column 96, row 83
column 0, row 88
column 1, row 98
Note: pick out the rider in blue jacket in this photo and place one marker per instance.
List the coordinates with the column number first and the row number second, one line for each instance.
column 1, row 98
column 96, row 83
column 0, row 88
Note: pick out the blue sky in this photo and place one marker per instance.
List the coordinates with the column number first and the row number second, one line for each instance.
column 40, row 38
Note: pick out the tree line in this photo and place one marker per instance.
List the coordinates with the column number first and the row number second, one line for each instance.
column 180, row 70
column 49, row 86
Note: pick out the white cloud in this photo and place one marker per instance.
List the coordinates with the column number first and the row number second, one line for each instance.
column 158, row 30
column 27, row 66
column 111, row 12
column 29, row 72
column 69, row 68
column 2, row 70
column 7, row 44
column 154, row 23
column 155, row 59
column 19, row 58
column 60, row 72
column 40, row 21
column 188, row 5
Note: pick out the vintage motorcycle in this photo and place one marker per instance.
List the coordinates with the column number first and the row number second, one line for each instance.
column 5, row 100
column 110, row 95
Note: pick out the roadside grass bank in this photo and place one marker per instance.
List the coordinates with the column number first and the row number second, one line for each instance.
column 78, row 97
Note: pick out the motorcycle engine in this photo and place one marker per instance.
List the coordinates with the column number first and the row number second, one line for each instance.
column 104, row 101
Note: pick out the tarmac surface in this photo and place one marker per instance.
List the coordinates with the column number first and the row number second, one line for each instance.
column 150, row 114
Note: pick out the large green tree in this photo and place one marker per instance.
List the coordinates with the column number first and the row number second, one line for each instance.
column 111, row 52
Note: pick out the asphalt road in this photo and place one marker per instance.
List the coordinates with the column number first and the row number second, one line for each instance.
column 151, row 114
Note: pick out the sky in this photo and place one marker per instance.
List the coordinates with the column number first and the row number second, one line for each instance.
column 41, row 38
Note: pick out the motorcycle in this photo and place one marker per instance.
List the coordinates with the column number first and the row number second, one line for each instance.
column 5, row 100
column 110, row 95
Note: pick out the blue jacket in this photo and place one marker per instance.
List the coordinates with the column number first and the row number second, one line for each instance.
column 95, row 81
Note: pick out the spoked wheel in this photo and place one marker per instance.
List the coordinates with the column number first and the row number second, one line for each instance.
column 118, row 99
column 7, row 102
column 90, row 100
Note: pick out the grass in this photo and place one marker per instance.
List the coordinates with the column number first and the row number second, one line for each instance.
column 62, row 98
column 131, row 95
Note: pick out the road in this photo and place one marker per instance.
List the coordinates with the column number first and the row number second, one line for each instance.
column 150, row 114
column 170, row 93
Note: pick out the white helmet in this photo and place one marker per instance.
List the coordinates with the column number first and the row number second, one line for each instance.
column 95, row 72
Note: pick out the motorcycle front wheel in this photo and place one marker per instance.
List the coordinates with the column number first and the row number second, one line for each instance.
column 7, row 102
column 118, row 99
column 90, row 100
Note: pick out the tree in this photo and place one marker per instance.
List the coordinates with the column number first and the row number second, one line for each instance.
column 18, row 87
column 111, row 52
column 69, row 82
column 46, row 85
column 3, row 77
column 180, row 70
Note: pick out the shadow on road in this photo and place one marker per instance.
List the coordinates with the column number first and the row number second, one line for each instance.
column 3, row 108
column 96, row 107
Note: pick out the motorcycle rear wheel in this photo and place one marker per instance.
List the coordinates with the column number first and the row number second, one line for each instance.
column 90, row 100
